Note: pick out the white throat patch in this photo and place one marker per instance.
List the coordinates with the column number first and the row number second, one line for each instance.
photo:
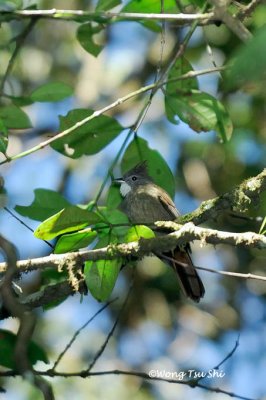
column 124, row 189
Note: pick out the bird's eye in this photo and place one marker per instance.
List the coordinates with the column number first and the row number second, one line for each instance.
column 134, row 178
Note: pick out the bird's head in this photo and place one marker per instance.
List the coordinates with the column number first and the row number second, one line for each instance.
column 137, row 176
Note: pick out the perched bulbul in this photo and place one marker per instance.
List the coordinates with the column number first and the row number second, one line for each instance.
column 145, row 203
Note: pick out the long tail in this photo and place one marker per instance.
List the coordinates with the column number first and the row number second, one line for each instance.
column 187, row 275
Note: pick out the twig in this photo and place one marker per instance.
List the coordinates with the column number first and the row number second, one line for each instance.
column 110, row 334
column 142, row 375
column 114, row 162
column 229, row 355
column 215, row 271
column 234, row 274
column 146, row 376
column 24, row 224
column 19, row 43
column 105, row 16
column 189, row 75
column 61, row 355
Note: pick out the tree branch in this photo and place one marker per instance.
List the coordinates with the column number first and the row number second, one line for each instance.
column 27, row 323
column 247, row 10
column 106, row 16
column 232, row 22
column 237, row 199
column 182, row 234
column 142, row 375
column 69, row 344
column 97, row 113
column 19, row 43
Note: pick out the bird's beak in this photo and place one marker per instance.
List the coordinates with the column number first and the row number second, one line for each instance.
column 118, row 181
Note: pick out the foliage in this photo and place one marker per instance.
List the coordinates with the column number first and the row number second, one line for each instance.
column 161, row 110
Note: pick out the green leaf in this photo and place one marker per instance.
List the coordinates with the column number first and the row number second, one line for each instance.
column 262, row 230
column 20, row 101
column 3, row 137
column 75, row 241
column 181, row 67
column 249, row 62
column 11, row 5
column 85, row 34
column 14, row 118
column 71, row 218
column 139, row 150
column 112, row 217
column 137, row 232
column 46, row 203
column 113, row 197
column 101, row 275
column 50, row 277
column 54, row 91
column 150, row 6
column 89, row 138
column 105, row 5
column 201, row 111
column 7, row 346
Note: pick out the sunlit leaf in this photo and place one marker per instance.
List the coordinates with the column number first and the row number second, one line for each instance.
column 75, row 241
column 150, row 6
column 262, row 230
column 71, row 218
column 101, row 275
column 111, row 218
column 105, row 5
column 137, row 232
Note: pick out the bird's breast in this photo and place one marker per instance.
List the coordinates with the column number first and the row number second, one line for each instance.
column 144, row 207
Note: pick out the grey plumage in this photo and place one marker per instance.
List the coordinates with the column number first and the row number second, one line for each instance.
column 144, row 203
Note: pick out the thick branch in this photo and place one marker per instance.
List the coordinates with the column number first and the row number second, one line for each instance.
column 232, row 22
column 27, row 323
column 182, row 234
column 237, row 199
column 247, row 10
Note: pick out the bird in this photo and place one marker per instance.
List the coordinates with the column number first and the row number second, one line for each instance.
column 144, row 202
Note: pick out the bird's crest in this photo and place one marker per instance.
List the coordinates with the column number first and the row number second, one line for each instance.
column 139, row 169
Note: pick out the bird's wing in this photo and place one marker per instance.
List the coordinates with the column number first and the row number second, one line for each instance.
column 168, row 205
